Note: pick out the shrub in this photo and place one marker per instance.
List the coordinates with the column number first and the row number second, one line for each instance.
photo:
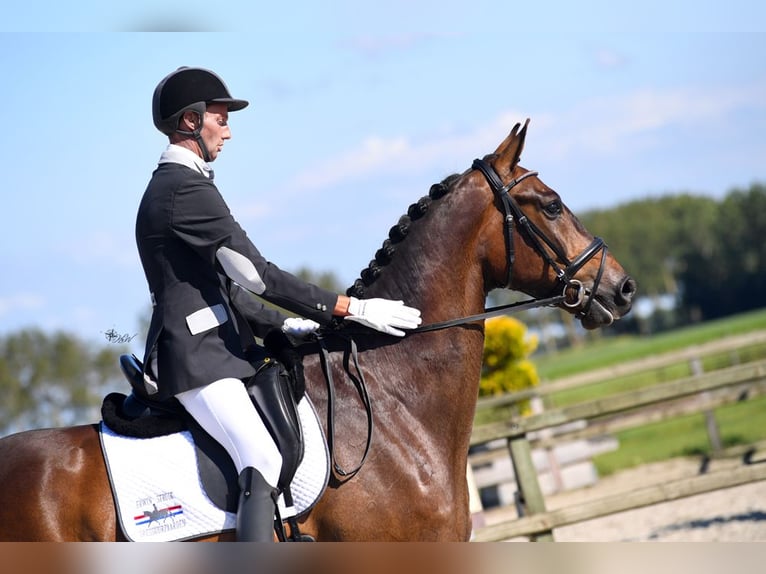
column 506, row 367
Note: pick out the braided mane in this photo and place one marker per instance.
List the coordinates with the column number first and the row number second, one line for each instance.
column 397, row 234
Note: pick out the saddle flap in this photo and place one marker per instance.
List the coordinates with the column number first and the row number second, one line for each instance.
column 272, row 396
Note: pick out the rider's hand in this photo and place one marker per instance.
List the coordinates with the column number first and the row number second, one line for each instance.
column 383, row 315
column 299, row 327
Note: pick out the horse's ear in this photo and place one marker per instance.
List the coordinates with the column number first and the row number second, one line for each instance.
column 507, row 141
column 510, row 149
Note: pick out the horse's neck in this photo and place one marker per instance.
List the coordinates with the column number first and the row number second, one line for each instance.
column 437, row 269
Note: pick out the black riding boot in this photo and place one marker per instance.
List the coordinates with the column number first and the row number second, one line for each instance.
column 257, row 503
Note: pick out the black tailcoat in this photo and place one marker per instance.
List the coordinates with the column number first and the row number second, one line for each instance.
column 194, row 337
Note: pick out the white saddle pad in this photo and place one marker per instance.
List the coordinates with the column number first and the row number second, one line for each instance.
column 159, row 495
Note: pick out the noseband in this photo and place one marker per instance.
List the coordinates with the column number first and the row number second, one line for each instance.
column 574, row 291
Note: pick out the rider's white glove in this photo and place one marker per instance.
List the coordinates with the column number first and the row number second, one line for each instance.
column 299, row 327
column 383, row 315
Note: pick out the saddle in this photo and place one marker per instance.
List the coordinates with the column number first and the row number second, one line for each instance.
column 139, row 415
column 273, row 390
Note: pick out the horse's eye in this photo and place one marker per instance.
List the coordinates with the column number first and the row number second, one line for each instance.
column 553, row 209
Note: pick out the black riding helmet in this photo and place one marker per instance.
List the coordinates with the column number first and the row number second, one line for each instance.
column 189, row 89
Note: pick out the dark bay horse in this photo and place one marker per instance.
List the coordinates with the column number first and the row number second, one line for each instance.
column 495, row 225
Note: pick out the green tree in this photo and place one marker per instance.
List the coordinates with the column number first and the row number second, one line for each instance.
column 729, row 276
column 325, row 279
column 651, row 237
column 656, row 239
column 53, row 380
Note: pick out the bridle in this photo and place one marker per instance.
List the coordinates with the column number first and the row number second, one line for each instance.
column 513, row 214
column 573, row 293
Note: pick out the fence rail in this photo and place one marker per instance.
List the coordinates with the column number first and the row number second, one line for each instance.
column 666, row 492
column 619, row 403
column 538, row 523
column 690, row 354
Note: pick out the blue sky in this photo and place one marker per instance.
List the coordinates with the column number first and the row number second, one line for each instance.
column 355, row 110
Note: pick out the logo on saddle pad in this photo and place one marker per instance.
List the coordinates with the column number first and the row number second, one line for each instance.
column 159, row 514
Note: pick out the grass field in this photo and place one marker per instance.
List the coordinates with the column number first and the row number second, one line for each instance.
column 607, row 351
column 651, row 377
column 740, row 424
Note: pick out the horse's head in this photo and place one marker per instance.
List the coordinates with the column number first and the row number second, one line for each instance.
column 544, row 250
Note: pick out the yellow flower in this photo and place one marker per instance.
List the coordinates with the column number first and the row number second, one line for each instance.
column 506, row 367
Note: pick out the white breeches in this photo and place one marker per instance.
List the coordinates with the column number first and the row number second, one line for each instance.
column 225, row 411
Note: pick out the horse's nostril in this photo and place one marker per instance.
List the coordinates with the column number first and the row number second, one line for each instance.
column 628, row 289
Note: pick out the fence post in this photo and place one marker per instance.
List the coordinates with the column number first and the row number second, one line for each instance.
column 713, row 432
column 474, row 499
column 526, row 480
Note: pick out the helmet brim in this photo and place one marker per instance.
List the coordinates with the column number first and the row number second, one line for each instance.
column 232, row 104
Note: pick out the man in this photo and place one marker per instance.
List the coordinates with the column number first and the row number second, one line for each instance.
column 197, row 261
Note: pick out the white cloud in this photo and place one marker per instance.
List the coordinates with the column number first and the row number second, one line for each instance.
column 609, row 59
column 598, row 128
column 373, row 46
column 252, row 211
column 19, row 302
column 101, row 247
column 616, row 123
column 403, row 155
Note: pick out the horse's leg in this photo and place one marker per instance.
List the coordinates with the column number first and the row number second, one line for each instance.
column 54, row 487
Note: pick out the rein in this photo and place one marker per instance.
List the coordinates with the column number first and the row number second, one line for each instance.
column 491, row 312
column 361, row 386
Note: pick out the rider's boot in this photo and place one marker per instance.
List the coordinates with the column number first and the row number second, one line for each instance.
column 257, row 504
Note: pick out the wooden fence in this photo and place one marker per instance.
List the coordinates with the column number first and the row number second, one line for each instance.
column 538, row 524
column 691, row 355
